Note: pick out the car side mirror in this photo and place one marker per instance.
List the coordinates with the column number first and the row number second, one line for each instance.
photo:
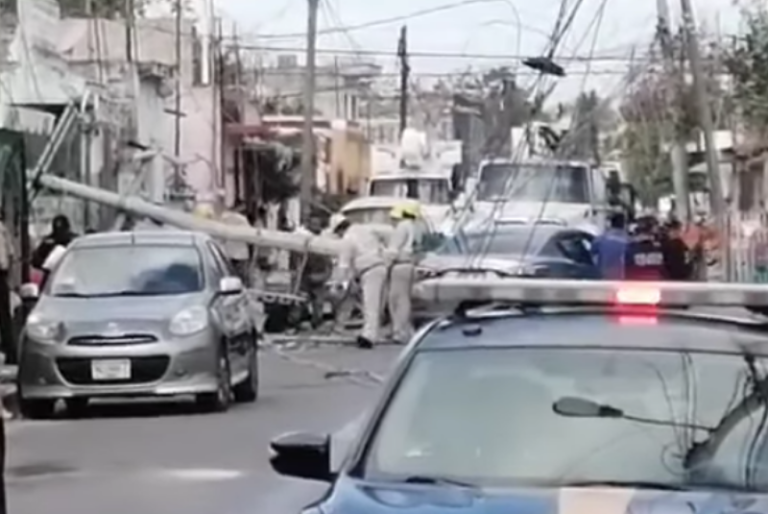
column 302, row 455
column 230, row 285
column 29, row 291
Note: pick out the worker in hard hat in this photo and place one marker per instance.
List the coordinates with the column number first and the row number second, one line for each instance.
column 362, row 258
column 402, row 253
column 204, row 211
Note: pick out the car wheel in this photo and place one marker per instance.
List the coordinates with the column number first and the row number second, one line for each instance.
column 37, row 409
column 76, row 407
column 248, row 390
column 220, row 400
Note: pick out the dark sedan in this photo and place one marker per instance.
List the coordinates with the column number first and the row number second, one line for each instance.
column 515, row 250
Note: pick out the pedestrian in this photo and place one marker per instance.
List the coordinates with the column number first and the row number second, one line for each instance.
column 60, row 235
column 315, row 275
column 238, row 252
column 402, row 254
column 678, row 258
column 7, row 326
column 645, row 257
column 609, row 249
column 362, row 259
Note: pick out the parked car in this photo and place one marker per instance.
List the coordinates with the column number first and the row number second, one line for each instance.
column 515, row 250
column 129, row 314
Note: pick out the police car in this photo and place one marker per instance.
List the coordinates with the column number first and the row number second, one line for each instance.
column 570, row 397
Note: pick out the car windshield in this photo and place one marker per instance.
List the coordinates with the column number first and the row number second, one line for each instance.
column 487, row 417
column 510, row 243
column 533, row 183
column 368, row 215
column 425, row 190
column 130, row 270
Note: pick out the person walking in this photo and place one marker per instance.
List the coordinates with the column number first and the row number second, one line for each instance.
column 609, row 249
column 362, row 258
column 402, row 254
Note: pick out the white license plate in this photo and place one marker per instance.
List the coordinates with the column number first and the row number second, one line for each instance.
column 111, row 369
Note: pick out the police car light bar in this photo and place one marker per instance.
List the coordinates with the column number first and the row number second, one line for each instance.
column 534, row 291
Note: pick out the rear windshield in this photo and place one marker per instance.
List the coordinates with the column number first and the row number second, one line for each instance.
column 128, row 270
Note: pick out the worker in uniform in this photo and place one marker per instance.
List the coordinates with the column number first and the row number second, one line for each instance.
column 402, row 253
column 315, row 274
column 362, row 258
column 609, row 248
column 678, row 261
column 645, row 257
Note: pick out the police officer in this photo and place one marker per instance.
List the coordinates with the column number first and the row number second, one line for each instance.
column 645, row 257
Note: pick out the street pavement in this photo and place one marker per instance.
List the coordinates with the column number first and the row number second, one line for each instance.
column 147, row 458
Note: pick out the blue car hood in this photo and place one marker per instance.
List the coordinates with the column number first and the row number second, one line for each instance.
column 353, row 497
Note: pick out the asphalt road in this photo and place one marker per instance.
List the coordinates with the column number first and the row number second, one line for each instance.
column 167, row 459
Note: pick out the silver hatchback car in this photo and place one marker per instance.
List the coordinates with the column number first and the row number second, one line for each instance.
column 130, row 314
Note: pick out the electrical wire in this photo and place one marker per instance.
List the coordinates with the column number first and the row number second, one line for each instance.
column 389, row 20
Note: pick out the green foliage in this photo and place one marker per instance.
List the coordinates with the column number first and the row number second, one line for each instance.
column 747, row 61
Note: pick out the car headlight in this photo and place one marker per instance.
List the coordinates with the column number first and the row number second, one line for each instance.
column 190, row 321
column 43, row 330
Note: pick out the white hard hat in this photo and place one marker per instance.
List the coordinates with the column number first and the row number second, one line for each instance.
column 335, row 221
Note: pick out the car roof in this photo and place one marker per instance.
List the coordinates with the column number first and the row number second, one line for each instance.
column 543, row 230
column 598, row 328
column 376, row 202
column 140, row 238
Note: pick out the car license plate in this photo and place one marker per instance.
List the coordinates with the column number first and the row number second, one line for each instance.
column 111, row 369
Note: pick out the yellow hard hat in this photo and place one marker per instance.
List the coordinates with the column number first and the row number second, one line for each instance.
column 405, row 209
column 204, row 211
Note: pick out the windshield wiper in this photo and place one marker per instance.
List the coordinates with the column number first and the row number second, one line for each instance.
column 632, row 484
column 438, row 480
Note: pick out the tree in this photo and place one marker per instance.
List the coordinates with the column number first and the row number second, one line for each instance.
column 747, row 62
column 647, row 108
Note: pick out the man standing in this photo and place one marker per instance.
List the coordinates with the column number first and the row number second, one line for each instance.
column 609, row 249
column 401, row 253
column 61, row 235
column 645, row 256
column 7, row 330
column 362, row 259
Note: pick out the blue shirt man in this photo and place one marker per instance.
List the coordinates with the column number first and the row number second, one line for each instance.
column 610, row 249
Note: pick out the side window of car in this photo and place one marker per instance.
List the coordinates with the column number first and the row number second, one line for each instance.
column 574, row 247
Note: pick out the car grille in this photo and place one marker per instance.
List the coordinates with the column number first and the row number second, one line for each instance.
column 76, row 370
column 124, row 339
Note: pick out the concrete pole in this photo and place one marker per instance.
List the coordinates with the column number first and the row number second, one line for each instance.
column 308, row 169
column 674, row 137
column 716, row 196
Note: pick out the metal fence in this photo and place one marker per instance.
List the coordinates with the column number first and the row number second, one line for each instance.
column 745, row 245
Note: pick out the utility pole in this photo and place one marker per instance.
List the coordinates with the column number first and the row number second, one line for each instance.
column 405, row 72
column 308, row 168
column 129, row 21
column 177, row 109
column 716, row 196
column 674, row 135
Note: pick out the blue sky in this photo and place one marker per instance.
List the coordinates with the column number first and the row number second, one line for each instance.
column 479, row 28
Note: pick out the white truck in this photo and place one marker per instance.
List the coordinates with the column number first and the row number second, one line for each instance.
column 568, row 193
column 419, row 170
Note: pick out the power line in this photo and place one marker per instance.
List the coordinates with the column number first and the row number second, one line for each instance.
column 440, row 55
column 387, row 21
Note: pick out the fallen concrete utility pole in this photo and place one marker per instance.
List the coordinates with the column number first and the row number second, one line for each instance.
column 136, row 206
